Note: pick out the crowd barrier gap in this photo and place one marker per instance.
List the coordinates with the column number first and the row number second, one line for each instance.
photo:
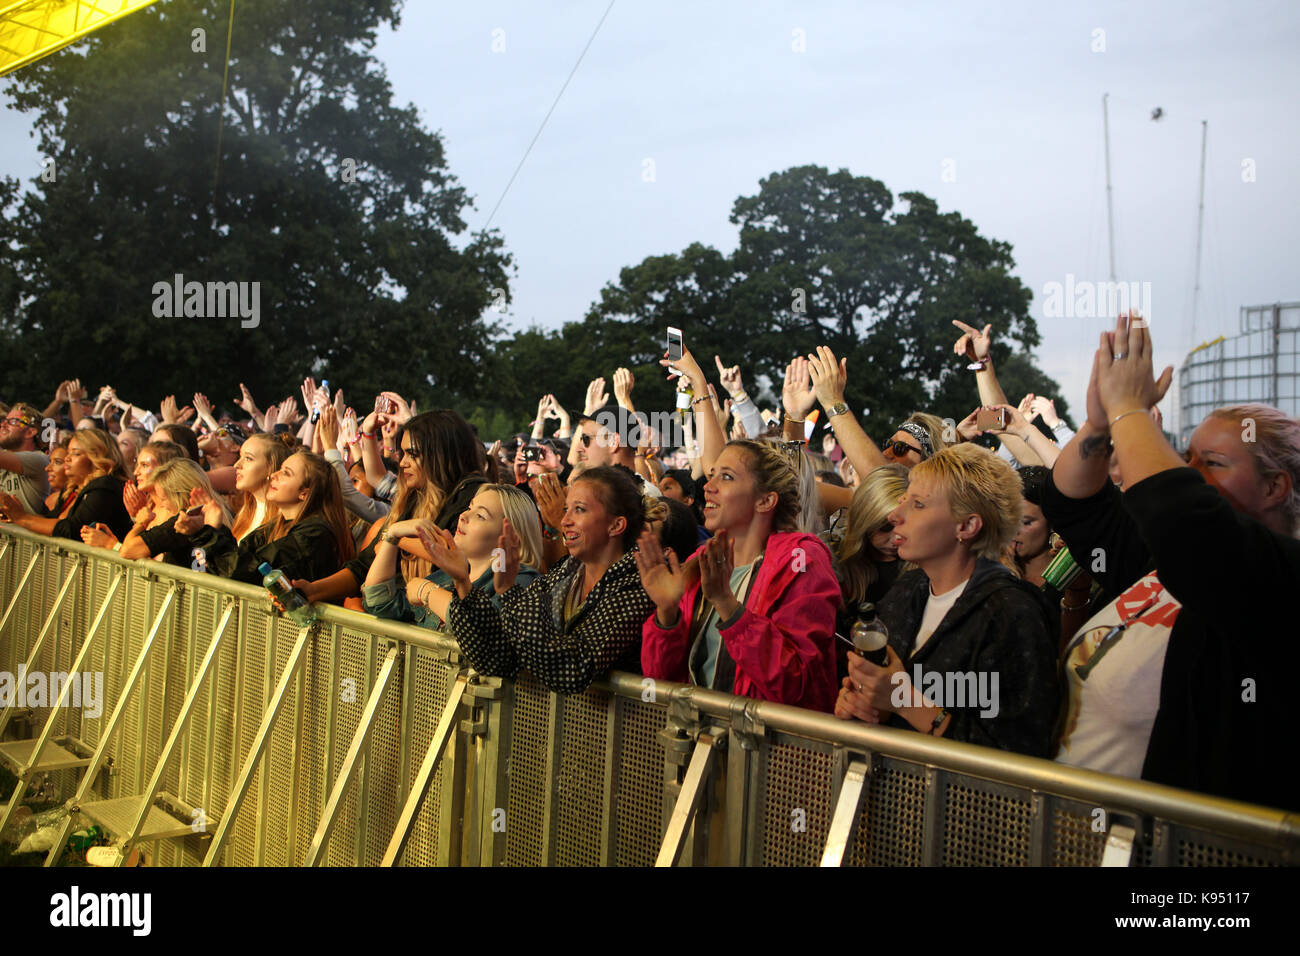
column 223, row 734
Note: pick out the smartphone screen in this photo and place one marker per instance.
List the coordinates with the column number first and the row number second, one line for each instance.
column 674, row 343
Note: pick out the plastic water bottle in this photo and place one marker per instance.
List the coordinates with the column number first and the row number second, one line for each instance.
column 871, row 639
column 295, row 602
column 315, row 408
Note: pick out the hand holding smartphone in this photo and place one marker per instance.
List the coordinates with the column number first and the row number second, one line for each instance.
column 991, row 419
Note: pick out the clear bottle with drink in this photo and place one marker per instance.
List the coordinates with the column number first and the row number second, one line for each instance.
column 870, row 637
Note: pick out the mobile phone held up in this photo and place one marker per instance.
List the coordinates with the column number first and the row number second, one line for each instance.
column 385, row 406
column 991, row 419
column 674, row 344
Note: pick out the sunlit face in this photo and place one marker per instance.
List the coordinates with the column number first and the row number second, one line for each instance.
column 595, row 445
column 289, row 484
column 731, row 497
column 77, row 466
column 911, row 456
column 54, row 470
column 924, row 528
column 1218, row 452
column 479, row 527
column 410, row 468
column 252, row 469
column 145, row 465
column 587, row 527
column 670, row 488
column 14, row 434
column 1031, row 540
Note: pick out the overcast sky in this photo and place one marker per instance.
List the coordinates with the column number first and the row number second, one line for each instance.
column 993, row 109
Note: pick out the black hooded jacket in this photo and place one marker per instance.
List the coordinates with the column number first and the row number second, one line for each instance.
column 999, row 628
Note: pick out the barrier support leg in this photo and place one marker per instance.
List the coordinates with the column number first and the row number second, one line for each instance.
column 846, row 813
column 106, row 735
column 360, row 742
column 432, row 756
column 35, row 651
column 155, row 782
column 688, row 801
column 24, row 772
column 254, row 757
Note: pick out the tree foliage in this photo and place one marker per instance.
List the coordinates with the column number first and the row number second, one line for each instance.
column 328, row 194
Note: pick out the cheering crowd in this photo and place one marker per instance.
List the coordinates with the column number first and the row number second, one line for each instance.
column 1094, row 597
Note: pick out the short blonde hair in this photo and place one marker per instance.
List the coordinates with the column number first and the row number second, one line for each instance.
column 978, row 482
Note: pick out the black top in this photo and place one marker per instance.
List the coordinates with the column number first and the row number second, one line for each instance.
column 308, row 551
column 1225, row 723
column 886, row 575
column 1000, row 627
column 174, row 548
column 532, row 631
column 99, row 501
column 456, row 503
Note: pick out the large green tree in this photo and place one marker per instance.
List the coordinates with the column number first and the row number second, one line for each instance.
column 324, row 191
column 824, row 258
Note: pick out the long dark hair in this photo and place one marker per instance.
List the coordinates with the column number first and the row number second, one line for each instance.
column 447, row 451
column 325, row 498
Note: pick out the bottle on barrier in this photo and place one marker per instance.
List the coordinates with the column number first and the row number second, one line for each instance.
column 295, row 602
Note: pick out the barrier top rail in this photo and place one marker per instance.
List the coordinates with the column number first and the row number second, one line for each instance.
column 687, row 703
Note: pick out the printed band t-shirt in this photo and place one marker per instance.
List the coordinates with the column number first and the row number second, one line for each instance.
column 31, row 485
column 1114, row 691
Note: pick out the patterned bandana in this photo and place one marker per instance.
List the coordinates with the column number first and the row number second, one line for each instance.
column 921, row 435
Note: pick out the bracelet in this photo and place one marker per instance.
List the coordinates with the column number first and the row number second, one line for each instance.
column 364, row 435
column 791, row 418
column 702, row 398
column 424, row 593
column 551, row 534
column 1131, row 411
column 1072, row 607
column 389, row 538
column 740, row 397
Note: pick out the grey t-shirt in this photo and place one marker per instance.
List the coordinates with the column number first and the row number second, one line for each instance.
column 31, row 485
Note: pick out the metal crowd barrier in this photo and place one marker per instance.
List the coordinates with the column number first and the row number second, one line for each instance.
column 226, row 735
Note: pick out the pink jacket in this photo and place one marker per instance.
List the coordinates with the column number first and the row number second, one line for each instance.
column 783, row 641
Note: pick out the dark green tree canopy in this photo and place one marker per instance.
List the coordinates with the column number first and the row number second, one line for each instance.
column 823, row 259
column 330, row 196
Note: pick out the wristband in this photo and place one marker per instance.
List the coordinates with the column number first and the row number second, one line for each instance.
column 944, row 713
column 702, row 398
column 740, row 397
column 791, row 418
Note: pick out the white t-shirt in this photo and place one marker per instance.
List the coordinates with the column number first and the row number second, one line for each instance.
column 31, row 485
column 936, row 606
column 1113, row 703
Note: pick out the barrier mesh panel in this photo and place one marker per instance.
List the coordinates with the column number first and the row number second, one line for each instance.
column 1195, row 848
column 277, row 841
column 985, row 824
column 891, row 826
column 796, row 809
column 581, row 781
column 432, row 683
column 526, row 778
column 1074, row 841
column 255, row 685
column 355, row 678
column 383, row 766
column 639, row 795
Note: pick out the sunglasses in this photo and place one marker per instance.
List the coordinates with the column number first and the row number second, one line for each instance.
column 585, row 439
column 900, row 448
column 23, row 422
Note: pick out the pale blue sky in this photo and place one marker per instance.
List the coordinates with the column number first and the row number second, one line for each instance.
column 717, row 97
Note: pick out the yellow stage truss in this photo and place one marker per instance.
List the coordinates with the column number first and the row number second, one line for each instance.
column 31, row 29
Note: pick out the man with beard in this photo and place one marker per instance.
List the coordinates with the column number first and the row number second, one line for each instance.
column 22, row 467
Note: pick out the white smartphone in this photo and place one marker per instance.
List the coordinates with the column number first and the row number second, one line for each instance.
column 674, row 344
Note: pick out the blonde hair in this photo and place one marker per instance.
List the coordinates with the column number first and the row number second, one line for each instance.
column 1276, row 449
column 873, row 500
column 176, row 478
column 978, row 482
column 521, row 512
column 275, row 453
column 102, row 450
column 777, row 470
column 936, row 428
